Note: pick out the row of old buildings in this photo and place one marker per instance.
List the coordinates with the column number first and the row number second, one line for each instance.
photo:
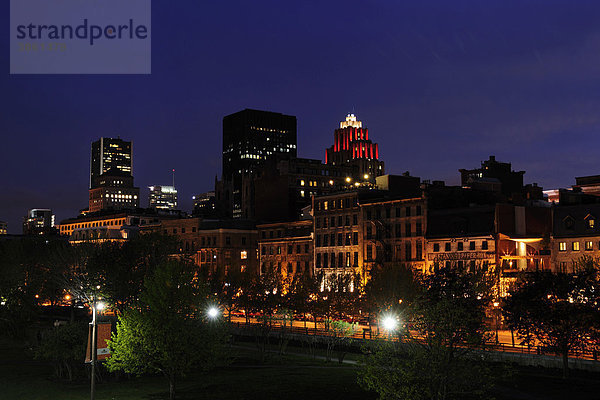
column 272, row 210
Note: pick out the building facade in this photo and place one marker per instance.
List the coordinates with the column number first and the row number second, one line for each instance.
column 576, row 233
column 3, row 228
column 338, row 236
column 39, row 221
column 113, row 190
column 163, row 197
column 286, row 247
column 221, row 246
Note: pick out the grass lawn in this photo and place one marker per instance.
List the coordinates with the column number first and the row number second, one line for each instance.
column 293, row 377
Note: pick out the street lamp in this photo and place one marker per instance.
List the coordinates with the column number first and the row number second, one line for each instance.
column 496, row 314
column 96, row 306
column 213, row 312
column 390, row 323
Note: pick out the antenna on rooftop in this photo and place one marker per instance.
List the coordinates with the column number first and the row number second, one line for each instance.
column 173, row 177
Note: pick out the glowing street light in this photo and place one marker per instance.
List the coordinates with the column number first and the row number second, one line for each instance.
column 390, row 323
column 213, row 312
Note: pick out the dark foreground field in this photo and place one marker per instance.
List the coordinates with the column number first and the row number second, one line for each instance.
column 290, row 377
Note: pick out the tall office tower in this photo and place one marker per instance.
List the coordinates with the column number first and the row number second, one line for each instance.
column 38, row 221
column 111, row 179
column 109, row 153
column 162, row 197
column 249, row 138
column 352, row 146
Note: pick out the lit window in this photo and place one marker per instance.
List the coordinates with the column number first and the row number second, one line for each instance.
column 243, row 255
column 591, row 223
column 562, row 246
column 589, row 245
column 302, row 182
column 575, row 246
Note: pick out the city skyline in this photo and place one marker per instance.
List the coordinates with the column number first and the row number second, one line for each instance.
column 439, row 94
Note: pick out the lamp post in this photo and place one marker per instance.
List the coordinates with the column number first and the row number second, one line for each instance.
column 94, row 356
column 496, row 314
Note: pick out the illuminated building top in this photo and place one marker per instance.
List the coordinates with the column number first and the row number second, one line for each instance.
column 352, row 146
column 350, row 121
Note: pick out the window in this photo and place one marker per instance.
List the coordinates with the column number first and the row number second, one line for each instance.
column 227, row 240
column 298, row 248
column 264, row 250
column 436, row 247
column 369, row 215
column 325, row 222
column 332, row 224
column 418, row 210
column 589, row 245
column 348, row 239
column 325, row 240
column 356, row 258
column 398, row 230
column 318, row 260
column 243, row 255
column 290, row 249
column 355, row 219
column 398, row 212
column 388, row 212
column 182, row 230
column 340, row 220
column 408, row 211
column 408, row 251
column 484, row 245
column 318, row 241
column 340, row 241
column 562, row 246
column 369, row 252
column 341, row 260
column 575, row 246
column 407, row 230
column 369, row 232
column 347, row 220
column 448, row 247
column 318, row 222
column 471, row 245
column 325, row 260
column 459, row 246
column 355, row 238
column 591, row 223
column 419, row 229
column 332, row 260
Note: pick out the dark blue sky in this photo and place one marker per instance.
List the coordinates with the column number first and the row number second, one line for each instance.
column 441, row 85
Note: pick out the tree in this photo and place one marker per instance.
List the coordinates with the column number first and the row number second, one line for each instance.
column 166, row 331
column 436, row 358
column 64, row 346
column 560, row 311
column 391, row 289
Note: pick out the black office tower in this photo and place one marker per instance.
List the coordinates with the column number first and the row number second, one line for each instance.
column 109, row 153
column 249, row 138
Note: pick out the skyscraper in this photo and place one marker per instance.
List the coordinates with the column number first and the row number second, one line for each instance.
column 162, row 197
column 108, row 153
column 111, row 179
column 249, row 138
column 352, row 146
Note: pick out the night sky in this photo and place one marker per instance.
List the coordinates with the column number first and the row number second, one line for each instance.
column 441, row 85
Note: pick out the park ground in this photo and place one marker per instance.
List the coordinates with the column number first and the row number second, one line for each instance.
column 292, row 376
